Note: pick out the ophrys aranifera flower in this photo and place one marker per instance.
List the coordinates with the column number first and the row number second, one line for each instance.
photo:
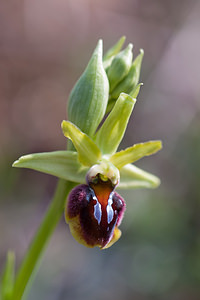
column 94, row 209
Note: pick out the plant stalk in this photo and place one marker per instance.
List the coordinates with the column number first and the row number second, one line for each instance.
column 41, row 238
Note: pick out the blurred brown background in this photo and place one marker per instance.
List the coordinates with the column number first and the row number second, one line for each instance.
column 44, row 47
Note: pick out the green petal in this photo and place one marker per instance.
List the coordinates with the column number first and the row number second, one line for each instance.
column 112, row 131
column 114, row 50
column 132, row 177
column 63, row 164
column 88, row 152
column 137, row 151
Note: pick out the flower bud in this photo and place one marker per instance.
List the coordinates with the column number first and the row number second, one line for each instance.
column 88, row 99
column 110, row 54
column 120, row 66
column 131, row 79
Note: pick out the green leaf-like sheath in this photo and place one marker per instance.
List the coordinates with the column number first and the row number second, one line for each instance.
column 88, row 152
column 133, row 177
column 63, row 164
column 136, row 152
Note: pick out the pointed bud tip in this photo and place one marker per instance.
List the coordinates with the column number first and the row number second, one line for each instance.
column 141, row 51
column 99, row 48
column 122, row 39
column 130, row 46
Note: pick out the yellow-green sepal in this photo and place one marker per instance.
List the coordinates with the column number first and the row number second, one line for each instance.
column 88, row 99
column 110, row 54
column 63, row 164
column 88, row 152
column 112, row 131
column 134, row 153
column 132, row 177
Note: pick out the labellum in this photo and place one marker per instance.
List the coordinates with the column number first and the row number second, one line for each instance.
column 94, row 211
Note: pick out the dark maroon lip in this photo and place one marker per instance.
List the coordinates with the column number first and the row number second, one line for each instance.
column 100, row 210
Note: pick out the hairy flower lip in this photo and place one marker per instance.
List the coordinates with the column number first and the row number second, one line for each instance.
column 94, row 211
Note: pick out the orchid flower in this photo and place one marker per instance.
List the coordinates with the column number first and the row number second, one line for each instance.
column 99, row 109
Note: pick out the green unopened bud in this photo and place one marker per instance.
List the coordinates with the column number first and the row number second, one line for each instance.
column 120, row 66
column 89, row 97
column 110, row 54
column 132, row 78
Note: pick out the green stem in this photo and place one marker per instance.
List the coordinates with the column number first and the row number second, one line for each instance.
column 42, row 236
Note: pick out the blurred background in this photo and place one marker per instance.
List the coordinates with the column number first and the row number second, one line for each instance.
column 44, row 47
